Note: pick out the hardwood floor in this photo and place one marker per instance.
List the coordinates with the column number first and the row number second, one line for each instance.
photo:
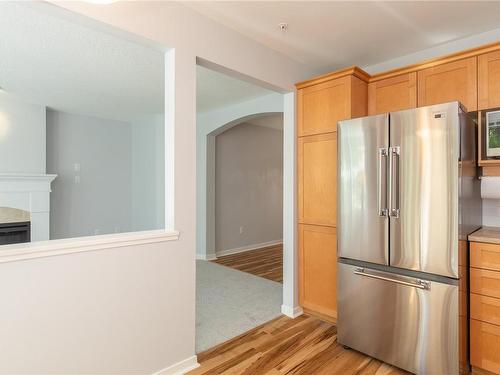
column 305, row 346
column 266, row 262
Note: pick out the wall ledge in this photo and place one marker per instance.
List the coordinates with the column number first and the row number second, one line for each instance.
column 34, row 250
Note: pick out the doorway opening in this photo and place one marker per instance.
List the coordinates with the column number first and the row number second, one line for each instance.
column 240, row 207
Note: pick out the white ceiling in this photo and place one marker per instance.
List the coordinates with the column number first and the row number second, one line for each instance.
column 216, row 90
column 333, row 34
column 69, row 67
column 54, row 62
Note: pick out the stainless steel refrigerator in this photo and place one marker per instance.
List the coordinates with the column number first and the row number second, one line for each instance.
column 408, row 197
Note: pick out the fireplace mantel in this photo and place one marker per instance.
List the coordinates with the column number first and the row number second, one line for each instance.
column 31, row 193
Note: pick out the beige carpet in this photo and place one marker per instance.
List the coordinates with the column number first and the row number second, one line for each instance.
column 231, row 302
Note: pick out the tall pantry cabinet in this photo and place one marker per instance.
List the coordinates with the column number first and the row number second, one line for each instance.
column 321, row 103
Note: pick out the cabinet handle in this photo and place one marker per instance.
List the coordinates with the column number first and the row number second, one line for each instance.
column 417, row 283
column 394, row 162
column 382, row 182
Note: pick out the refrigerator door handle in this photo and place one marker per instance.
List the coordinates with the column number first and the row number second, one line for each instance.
column 415, row 283
column 383, row 211
column 394, row 161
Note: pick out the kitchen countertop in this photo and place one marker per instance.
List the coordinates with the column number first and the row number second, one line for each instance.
column 486, row 234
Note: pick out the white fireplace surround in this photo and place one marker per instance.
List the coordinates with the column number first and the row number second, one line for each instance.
column 31, row 193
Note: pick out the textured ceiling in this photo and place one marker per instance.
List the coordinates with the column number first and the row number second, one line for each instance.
column 66, row 66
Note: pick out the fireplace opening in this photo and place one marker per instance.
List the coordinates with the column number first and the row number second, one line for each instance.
column 11, row 233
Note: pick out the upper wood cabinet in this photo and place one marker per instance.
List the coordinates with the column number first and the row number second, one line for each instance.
column 322, row 105
column 488, row 80
column 392, row 94
column 317, row 176
column 448, row 82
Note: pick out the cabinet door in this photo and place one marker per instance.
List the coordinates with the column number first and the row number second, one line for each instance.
column 488, row 80
column 318, row 269
column 444, row 83
column 392, row 94
column 322, row 105
column 484, row 344
column 317, row 176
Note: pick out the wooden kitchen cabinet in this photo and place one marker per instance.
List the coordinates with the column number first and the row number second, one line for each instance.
column 485, row 256
column 488, row 73
column 485, row 307
column 321, row 105
column 485, row 282
column 456, row 80
column 392, row 94
column 484, row 346
column 317, row 176
column 318, row 270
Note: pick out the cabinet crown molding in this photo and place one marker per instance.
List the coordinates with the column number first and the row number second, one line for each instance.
column 351, row 71
column 361, row 74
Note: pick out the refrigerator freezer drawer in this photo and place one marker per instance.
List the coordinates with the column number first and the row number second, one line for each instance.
column 412, row 324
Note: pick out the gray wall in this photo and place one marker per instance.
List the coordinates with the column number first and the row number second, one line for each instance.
column 121, row 186
column 148, row 173
column 249, row 187
column 101, row 203
column 22, row 135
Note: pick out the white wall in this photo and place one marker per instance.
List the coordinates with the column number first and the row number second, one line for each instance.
column 491, row 212
column 458, row 45
column 101, row 203
column 113, row 311
column 249, row 187
column 163, row 306
column 148, row 173
column 22, row 135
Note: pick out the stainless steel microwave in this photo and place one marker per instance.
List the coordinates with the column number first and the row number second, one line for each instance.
column 493, row 134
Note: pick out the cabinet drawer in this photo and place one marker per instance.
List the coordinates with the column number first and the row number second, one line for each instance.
column 485, row 309
column 484, row 346
column 485, row 282
column 485, row 255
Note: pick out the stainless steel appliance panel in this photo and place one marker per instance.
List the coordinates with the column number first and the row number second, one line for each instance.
column 362, row 194
column 411, row 324
column 424, row 187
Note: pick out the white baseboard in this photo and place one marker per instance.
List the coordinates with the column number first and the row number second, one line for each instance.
column 206, row 257
column 180, row 368
column 248, row 248
column 292, row 312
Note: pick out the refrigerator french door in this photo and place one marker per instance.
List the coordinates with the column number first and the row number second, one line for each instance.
column 404, row 180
